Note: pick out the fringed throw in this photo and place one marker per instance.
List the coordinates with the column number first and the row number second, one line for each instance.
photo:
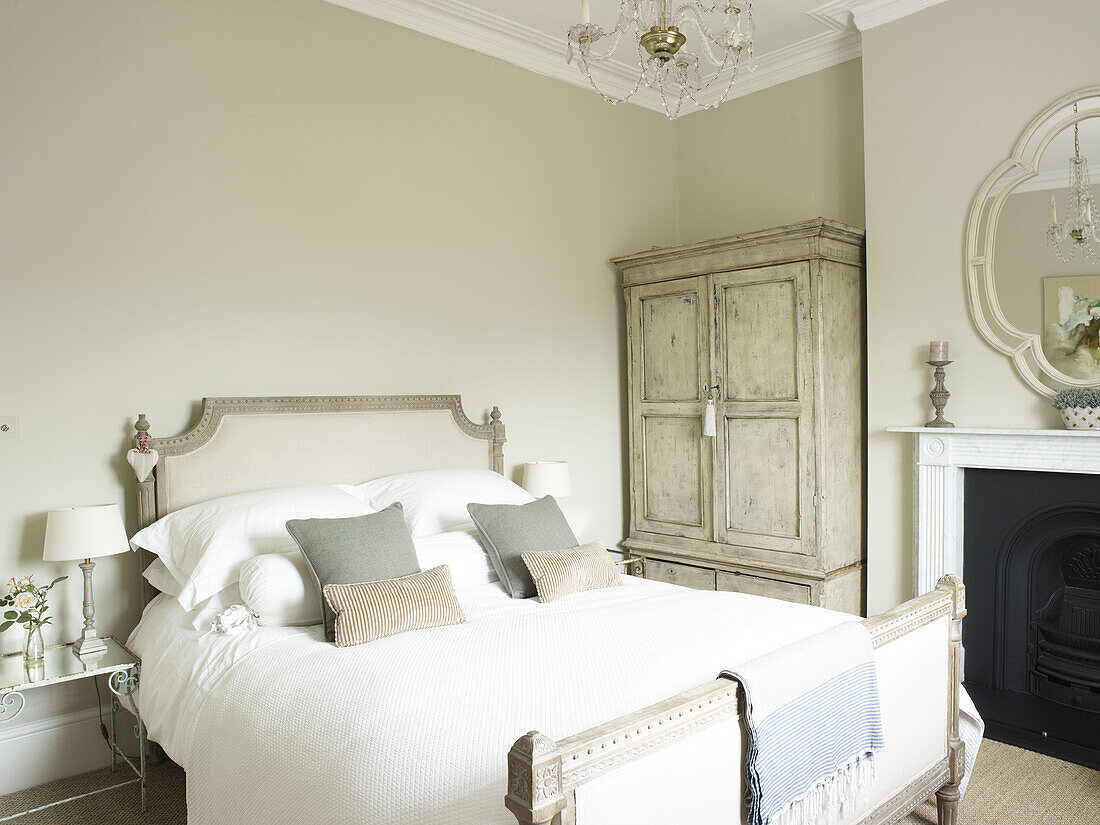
column 813, row 727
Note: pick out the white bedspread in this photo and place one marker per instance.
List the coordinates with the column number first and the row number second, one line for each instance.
column 275, row 726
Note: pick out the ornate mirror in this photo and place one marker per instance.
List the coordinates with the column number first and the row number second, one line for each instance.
column 1033, row 249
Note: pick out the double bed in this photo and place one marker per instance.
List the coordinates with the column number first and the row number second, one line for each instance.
column 600, row 708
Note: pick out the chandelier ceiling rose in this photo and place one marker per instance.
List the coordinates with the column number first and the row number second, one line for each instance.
column 684, row 52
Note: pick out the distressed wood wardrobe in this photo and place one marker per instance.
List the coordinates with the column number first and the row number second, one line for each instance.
column 770, row 326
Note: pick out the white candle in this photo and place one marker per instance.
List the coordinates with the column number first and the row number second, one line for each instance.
column 1053, row 210
column 586, row 12
column 937, row 351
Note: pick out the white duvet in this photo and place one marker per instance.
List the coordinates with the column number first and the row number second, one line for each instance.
column 274, row 726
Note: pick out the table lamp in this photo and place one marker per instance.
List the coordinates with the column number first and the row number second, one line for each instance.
column 74, row 533
column 547, row 478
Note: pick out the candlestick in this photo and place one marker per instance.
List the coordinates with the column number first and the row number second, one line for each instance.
column 939, row 394
column 1053, row 210
column 586, row 12
column 937, row 350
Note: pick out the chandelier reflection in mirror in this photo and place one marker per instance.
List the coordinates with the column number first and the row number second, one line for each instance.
column 684, row 50
column 1079, row 231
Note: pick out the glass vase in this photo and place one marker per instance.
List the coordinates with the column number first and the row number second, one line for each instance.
column 34, row 649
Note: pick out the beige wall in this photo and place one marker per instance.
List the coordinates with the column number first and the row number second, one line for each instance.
column 272, row 197
column 782, row 155
column 946, row 94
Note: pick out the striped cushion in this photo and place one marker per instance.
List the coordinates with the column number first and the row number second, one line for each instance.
column 558, row 573
column 371, row 610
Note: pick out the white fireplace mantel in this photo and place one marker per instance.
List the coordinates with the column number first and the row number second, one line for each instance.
column 942, row 454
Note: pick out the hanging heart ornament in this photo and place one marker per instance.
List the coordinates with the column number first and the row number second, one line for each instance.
column 143, row 462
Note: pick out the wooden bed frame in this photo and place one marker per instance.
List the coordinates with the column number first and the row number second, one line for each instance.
column 543, row 775
column 243, row 444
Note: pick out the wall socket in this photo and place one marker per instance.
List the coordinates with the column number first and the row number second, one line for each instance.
column 9, row 427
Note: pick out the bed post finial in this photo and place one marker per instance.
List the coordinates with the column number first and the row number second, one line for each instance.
column 142, row 427
column 498, row 440
column 952, row 584
column 947, row 797
column 143, row 459
column 534, row 780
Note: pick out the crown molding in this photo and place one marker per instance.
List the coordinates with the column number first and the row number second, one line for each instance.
column 490, row 34
column 861, row 15
column 790, row 62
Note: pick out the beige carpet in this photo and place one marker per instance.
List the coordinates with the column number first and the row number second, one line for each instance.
column 167, row 805
column 1017, row 787
column 1010, row 787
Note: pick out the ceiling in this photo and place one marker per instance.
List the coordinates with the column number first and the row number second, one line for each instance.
column 793, row 37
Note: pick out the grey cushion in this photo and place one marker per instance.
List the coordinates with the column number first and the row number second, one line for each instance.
column 510, row 530
column 352, row 550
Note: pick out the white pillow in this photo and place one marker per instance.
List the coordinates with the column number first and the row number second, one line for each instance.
column 204, row 613
column 461, row 551
column 279, row 589
column 203, row 546
column 157, row 575
column 435, row 500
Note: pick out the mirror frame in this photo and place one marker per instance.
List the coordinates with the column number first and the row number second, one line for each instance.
column 1025, row 349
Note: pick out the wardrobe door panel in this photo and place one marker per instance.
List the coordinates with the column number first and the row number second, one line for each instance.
column 760, row 347
column 672, row 464
column 765, row 438
column 673, row 472
column 763, row 476
column 670, row 346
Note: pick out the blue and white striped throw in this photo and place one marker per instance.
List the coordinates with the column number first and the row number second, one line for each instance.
column 813, row 726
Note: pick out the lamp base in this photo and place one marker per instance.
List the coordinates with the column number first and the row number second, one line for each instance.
column 89, row 645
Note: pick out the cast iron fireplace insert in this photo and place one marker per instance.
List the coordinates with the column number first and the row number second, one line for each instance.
column 1031, row 552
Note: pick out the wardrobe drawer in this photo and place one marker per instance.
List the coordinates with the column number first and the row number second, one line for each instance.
column 698, row 577
column 759, row 586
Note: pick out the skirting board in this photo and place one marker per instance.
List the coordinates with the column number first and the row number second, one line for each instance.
column 56, row 747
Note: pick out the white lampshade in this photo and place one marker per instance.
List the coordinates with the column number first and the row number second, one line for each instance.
column 547, row 478
column 74, row 533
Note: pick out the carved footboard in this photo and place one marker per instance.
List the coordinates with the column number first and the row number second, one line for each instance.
column 544, row 775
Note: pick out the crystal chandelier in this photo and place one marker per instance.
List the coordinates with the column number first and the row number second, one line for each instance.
column 720, row 45
column 1079, row 231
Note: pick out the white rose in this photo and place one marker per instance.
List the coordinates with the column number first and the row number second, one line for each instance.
column 25, row 601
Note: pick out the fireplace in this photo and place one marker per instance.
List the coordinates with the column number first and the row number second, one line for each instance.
column 1032, row 635
column 1065, row 634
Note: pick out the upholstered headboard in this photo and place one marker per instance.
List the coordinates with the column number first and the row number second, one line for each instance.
column 243, row 444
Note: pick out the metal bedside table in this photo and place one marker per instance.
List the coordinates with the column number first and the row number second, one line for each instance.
column 119, row 665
